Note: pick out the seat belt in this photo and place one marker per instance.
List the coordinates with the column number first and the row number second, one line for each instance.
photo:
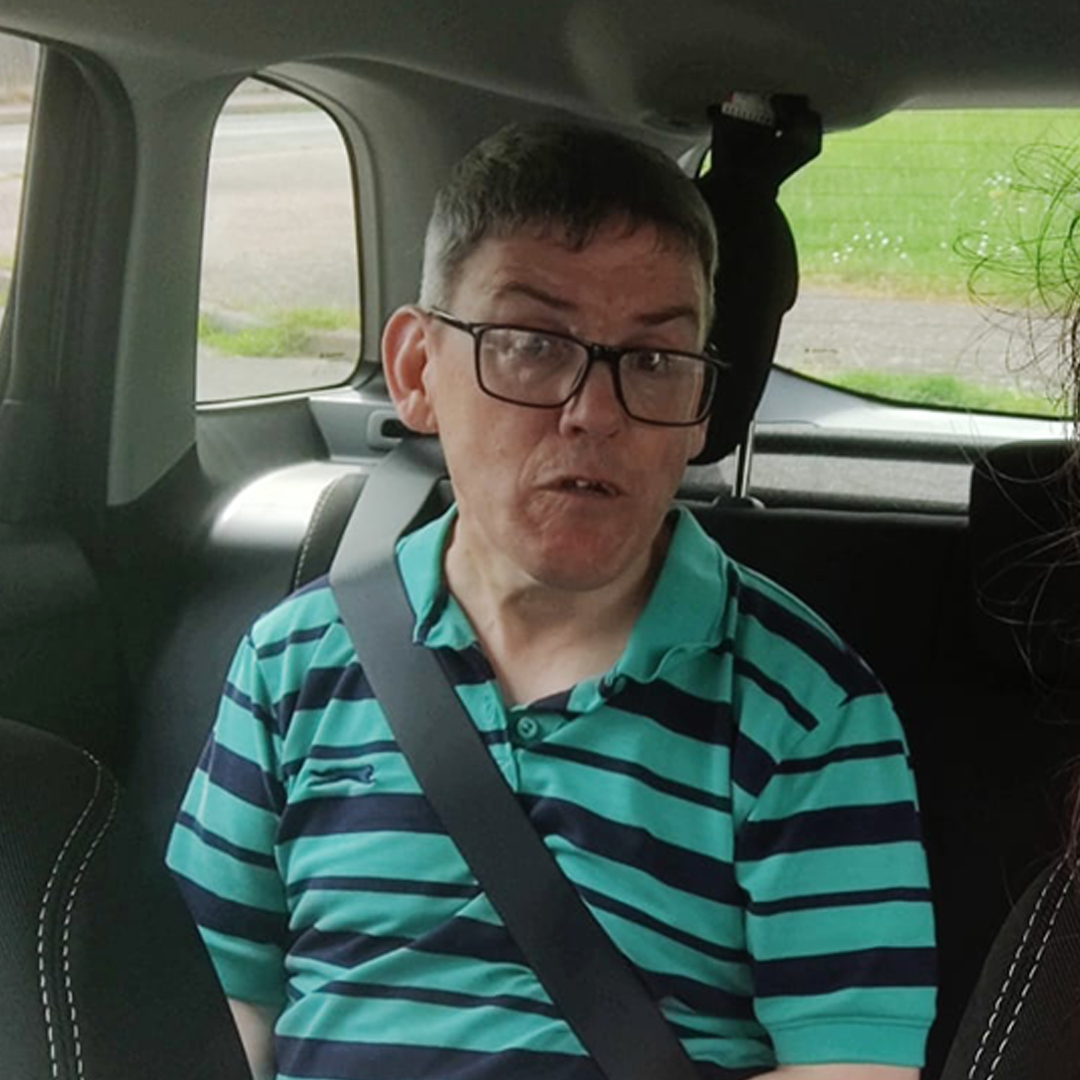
column 590, row 981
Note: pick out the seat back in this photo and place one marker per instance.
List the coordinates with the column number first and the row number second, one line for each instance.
column 102, row 975
column 984, row 681
column 1023, row 1021
column 1025, row 527
column 908, row 591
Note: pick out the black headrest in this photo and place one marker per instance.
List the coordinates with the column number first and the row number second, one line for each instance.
column 1025, row 560
column 757, row 278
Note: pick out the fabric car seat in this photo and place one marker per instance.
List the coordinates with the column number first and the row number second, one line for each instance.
column 1023, row 1021
column 102, row 975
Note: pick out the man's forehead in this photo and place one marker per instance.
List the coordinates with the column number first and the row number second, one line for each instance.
column 512, row 260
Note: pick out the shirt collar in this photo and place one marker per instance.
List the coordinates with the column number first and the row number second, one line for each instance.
column 440, row 622
column 683, row 614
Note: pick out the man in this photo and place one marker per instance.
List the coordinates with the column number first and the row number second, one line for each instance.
column 721, row 779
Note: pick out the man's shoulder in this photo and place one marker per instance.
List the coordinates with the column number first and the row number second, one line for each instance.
column 745, row 593
column 758, row 595
column 303, row 617
column 770, row 626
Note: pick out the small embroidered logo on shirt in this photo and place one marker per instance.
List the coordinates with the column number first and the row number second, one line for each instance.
column 361, row 774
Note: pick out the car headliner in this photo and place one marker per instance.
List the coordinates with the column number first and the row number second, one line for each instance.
column 656, row 63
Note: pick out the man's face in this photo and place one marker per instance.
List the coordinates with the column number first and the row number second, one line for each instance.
column 571, row 498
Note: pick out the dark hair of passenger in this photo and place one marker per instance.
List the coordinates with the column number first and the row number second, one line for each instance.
column 1031, row 277
column 1071, row 349
column 566, row 179
column 1067, row 270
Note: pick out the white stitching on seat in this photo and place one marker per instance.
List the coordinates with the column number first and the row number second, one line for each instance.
column 320, row 507
column 75, row 885
column 1012, row 971
column 1031, row 976
column 49, row 1030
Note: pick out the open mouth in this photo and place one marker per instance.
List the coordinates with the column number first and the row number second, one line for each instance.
column 582, row 485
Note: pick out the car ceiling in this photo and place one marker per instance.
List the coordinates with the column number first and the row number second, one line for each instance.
column 659, row 63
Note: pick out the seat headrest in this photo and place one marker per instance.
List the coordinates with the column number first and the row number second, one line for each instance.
column 1025, row 560
column 757, row 276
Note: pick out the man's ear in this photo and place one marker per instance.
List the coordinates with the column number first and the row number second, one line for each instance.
column 405, row 358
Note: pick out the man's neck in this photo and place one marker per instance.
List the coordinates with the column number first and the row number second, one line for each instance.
column 541, row 639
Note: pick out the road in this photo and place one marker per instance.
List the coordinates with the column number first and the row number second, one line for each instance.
column 280, row 234
column 279, row 219
column 280, row 226
column 828, row 332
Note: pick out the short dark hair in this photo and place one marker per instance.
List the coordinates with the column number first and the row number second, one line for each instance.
column 566, row 178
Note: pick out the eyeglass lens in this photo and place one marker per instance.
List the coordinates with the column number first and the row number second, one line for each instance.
column 533, row 368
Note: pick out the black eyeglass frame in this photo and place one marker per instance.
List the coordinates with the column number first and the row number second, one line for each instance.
column 609, row 354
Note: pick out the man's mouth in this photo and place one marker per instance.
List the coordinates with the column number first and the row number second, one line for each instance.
column 586, row 485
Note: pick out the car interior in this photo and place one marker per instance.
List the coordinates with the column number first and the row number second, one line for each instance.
column 146, row 517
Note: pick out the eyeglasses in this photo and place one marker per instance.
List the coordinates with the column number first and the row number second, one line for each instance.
column 544, row 370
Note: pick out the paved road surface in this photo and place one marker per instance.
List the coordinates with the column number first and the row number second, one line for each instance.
column 827, row 333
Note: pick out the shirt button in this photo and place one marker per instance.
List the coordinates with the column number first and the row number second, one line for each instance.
column 528, row 728
column 612, row 685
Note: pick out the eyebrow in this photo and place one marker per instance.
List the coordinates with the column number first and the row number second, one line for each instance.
column 669, row 314
column 647, row 318
column 531, row 292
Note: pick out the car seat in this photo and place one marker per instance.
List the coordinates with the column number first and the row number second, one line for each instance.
column 1023, row 1022
column 102, row 975
column 994, row 748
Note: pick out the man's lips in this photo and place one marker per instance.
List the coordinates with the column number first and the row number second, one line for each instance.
column 584, row 484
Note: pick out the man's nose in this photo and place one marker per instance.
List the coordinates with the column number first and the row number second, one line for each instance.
column 595, row 408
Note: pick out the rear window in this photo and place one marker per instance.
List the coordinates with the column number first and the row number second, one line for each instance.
column 923, row 242
column 279, row 308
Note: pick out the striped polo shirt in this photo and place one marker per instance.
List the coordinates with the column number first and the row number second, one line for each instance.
column 733, row 801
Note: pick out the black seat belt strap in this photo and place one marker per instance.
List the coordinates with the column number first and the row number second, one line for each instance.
column 584, row 973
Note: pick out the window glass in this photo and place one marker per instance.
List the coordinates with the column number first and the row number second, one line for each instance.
column 923, row 242
column 279, row 306
column 18, row 69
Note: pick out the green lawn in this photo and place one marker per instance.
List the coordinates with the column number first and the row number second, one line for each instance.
column 291, row 332
column 911, row 203
column 946, row 391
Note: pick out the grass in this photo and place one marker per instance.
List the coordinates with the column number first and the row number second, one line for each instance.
column 913, row 203
column 946, row 391
column 945, row 205
column 292, row 332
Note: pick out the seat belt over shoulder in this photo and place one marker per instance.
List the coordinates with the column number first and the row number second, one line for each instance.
column 590, row 981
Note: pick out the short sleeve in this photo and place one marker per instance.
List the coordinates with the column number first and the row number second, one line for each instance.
column 222, row 845
column 839, row 922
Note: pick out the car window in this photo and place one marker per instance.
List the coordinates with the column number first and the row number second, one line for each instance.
column 18, row 69
column 916, row 239
column 279, row 306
